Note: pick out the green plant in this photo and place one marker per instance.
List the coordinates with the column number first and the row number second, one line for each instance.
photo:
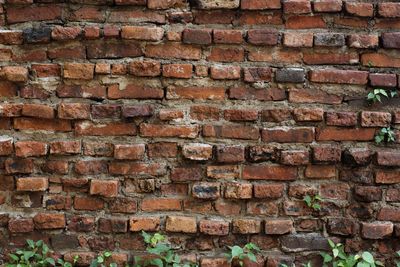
column 386, row 135
column 339, row 258
column 36, row 254
column 239, row 254
column 377, row 94
column 100, row 260
column 313, row 201
column 63, row 263
column 158, row 246
column 398, row 262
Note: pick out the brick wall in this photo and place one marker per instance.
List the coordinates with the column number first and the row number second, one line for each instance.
column 209, row 121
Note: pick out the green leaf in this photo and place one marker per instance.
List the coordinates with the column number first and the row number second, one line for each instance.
column 252, row 257
column 31, row 244
column 307, row 199
column 113, row 264
column 157, row 262
column 367, row 257
column 107, row 254
column 363, row 264
column 236, row 251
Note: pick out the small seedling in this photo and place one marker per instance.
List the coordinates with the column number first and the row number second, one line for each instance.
column 313, row 201
column 36, row 254
column 239, row 254
column 340, row 258
column 386, row 135
column 158, row 246
column 376, row 95
column 100, row 260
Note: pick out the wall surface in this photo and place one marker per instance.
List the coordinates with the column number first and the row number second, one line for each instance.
column 207, row 120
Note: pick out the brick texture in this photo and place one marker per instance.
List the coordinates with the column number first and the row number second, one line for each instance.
column 208, row 120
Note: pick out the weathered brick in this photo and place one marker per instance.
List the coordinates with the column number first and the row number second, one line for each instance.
column 262, row 37
column 181, row 224
column 269, row 172
column 339, row 76
column 292, row 39
column 104, row 188
column 296, row 6
column 214, row 227
column 142, row 33
column 197, row 151
column 377, row 230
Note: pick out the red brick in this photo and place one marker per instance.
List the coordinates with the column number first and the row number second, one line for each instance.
column 360, row 9
column 305, row 22
column 363, row 41
column 327, row 153
column 298, row 39
column 46, row 70
column 162, row 150
column 132, row 168
column 144, row 224
column 238, row 191
column 197, row 36
column 320, row 171
column 60, row 33
column 316, row 58
column 243, row 93
column 268, row 191
column 180, row 224
column 388, row 158
column 197, row 151
column 14, row 73
column 380, row 60
column 88, row 203
column 11, row 37
column 220, row 54
column 214, row 227
column 246, row 226
column 20, row 225
column 383, row 79
column 177, row 71
column 338, row 134
column 257, row 74
column 327, row 5
column 160, row 4
column 65, row 147
column 377, row 230
column 30, row 148
column 90, row 167
column 135, row 92
column 374, row 119
column 308, row 114
column 341, row 118
column 32, row 184
column 288, row 135
column 278, row 227
column 104, row 188
column 227, row 36
column 225, row 72
column 296, row 6
column 389, row 10
column 170, row 114
column 159, row 130
column 295, row 157
column 53, row 125
column 339, row 76
column 107, row 129
column 387, row 177
column 82, row 71
column 173, row 50
column 33, row 13
column 231, row 131
column 211, row 93
column 142, row 33
column 19, row 165
column 262, row 37
column 108, row 49
column 49, row 221
column 260, row 4
column 132, row 152
column 269, row 172
column 6, row 146
column 74, row 111
column 161, row 204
